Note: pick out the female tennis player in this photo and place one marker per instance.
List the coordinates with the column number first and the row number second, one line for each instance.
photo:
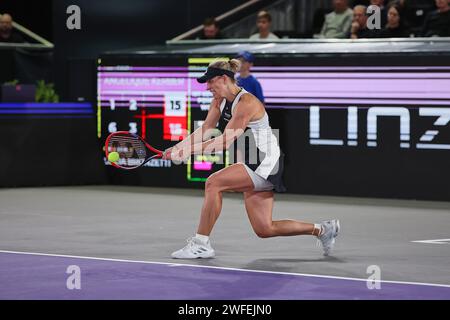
column 237, row 112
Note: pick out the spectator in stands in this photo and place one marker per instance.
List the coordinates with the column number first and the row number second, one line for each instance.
column 337, row 23
column 7, row 34
column 246, row 79
column 211, row 30
column 383, row 10
column 359, row 25
column 395, row 27
column 415, row 12
column 437, row 23
column 263, row 21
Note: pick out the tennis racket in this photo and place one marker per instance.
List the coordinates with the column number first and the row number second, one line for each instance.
column 133, row 151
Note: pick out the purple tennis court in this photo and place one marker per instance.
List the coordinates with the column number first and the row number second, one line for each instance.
column 35, row 276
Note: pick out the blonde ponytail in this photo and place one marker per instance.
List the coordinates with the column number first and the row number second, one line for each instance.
column 233, row 65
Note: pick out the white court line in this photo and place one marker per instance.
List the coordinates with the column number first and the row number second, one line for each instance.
column 435, row 241
column 174, row 264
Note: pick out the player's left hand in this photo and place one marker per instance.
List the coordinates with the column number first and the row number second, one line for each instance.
column 177, row 154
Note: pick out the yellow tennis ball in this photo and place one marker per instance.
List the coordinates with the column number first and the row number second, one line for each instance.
column 113, row 156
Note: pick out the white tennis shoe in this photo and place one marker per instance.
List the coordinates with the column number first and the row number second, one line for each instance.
column 327, row 239
column 194, row 249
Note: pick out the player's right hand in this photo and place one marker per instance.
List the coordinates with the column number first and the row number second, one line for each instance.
column 167, row 154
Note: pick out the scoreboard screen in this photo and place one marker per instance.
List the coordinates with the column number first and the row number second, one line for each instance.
column 162, row 104
column 357, row 130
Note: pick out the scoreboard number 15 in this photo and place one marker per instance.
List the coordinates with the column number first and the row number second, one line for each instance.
column 175, row 104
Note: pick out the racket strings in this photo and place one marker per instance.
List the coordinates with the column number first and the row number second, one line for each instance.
column 132, row 150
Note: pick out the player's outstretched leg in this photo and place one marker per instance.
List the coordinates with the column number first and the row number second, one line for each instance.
column 259, row 207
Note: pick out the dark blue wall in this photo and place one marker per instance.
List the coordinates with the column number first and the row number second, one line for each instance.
column 34, row 15
column 117, row 24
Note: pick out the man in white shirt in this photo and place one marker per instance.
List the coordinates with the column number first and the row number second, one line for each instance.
column 263, row 21
column 337, row 23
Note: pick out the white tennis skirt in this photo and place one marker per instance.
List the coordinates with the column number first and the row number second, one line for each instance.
column 259, row 183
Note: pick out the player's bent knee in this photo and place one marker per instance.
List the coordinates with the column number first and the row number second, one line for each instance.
column 212, row 183
column 264, row 232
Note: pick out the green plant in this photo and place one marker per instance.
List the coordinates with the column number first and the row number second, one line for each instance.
column 14, row 82
column 45, row 92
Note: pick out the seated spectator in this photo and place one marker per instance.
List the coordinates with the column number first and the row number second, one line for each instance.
column 211, row 30
column 383, row 10
column 415, row 12
column 359, row 25
column 337, row 23
column 245, row 78
column 437, row 23
column 318, row 20
column 263, row 21
column 395, row 27
column 7, row 34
